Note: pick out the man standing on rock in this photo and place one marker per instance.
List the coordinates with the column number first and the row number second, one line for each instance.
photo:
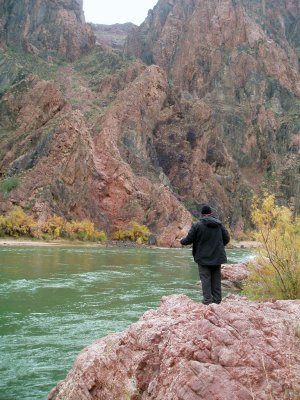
column 209, row 238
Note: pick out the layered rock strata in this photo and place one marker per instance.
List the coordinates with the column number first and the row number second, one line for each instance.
column 188, row 351
column 47, row 28
column 233, row 67
column 69, row 170
column 208, row 113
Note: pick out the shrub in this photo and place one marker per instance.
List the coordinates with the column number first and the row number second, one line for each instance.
column 2, row 225
column 278, row 258
column 8, row 184
column 53, row 227
column 82, row 230
column 17, row 223
column 138, row 233
column 120, row 235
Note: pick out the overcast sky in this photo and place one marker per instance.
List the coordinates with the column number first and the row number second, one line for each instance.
column 117, row 11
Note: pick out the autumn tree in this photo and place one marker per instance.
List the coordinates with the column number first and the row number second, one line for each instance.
column 277, row 268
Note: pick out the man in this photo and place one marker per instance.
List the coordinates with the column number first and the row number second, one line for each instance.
column 208, row 237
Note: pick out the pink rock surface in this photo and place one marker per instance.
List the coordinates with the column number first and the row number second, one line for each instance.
column 238, row 350
column 233, row 275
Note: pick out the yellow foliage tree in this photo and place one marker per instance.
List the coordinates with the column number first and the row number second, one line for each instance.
column 53, row 226
column 82, row 230
column 138, row 233
column 17, row 223
column 277, row 273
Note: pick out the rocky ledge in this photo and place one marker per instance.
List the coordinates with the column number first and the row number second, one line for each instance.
column 185, row 350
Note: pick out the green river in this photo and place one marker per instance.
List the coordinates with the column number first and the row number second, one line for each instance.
column 54, row 301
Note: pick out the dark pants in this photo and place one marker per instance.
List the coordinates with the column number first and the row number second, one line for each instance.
column 211, row 283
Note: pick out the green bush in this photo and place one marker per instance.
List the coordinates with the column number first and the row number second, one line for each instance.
column 100, row 62
column 8, row 184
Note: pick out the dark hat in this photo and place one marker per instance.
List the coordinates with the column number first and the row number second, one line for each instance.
column 206, row 210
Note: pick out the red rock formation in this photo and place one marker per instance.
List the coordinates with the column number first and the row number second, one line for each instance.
column 72, row 174
column 237, row 61
column 122, row 151
column 214, row 119
column 47, row 27
column 188, row 351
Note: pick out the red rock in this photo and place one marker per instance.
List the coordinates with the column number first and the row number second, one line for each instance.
column 68, row 172
column 127, row 196
column 233, row 275
column 203, row 125
column 226, row 55
column 187, row 351
column 46, row 27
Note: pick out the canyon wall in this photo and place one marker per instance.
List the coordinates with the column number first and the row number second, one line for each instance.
column 113, row 36
column 201, row 106
column 233, row 70
column 46, row 28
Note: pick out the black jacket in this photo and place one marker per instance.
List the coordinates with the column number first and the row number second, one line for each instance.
column 208, row 237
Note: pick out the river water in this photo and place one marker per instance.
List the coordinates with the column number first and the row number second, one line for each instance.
column 55, row 301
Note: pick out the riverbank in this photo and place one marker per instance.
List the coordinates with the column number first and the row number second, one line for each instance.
column 42, row 243
column 107, row 243
column 71, row 243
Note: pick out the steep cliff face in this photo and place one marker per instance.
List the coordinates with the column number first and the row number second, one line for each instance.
column 209, row 112
column 46, row 28
column 233, row 69
column 81, row 161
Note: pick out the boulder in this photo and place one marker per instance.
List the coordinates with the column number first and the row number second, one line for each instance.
column 188, row 351
column 233, row 275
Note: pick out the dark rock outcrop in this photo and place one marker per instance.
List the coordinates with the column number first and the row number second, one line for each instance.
column 188, row 351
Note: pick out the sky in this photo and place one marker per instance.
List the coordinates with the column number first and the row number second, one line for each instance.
column 117, row 11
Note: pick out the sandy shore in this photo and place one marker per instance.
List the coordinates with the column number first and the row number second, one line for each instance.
column 33, row 243
column 63, row 243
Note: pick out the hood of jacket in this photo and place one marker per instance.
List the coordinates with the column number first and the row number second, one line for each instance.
column 211, row 222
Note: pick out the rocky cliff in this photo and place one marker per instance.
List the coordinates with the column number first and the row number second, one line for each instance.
column 203, row 107
column 188, row 351
column 81, row 143
column 233, row 70
column 68, row 166
column 114, row 35
column 47, row 28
